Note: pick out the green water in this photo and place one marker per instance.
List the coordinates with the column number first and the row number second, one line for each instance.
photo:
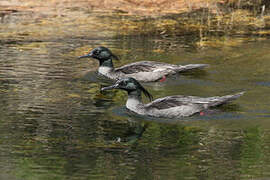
column 55, row 123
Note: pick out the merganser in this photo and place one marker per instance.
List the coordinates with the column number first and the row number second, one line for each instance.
column 168, row 107
column 143, row 71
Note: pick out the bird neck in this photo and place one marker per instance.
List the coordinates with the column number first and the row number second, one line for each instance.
column 106, row 67
column 106, row 63
column 134, row 99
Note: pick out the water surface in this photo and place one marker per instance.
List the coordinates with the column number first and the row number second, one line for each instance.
column 55, row 123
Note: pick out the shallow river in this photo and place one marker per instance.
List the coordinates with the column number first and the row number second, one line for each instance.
column 55, row 123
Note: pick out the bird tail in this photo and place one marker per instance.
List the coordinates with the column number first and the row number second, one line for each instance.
column 192, row 66
column 225, row 99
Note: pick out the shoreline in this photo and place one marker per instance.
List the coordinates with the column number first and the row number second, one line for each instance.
column 37, row 21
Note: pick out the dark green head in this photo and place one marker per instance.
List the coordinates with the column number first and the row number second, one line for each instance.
column 100, row 53
column 129, row 84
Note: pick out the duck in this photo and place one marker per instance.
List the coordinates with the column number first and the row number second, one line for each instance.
column 167, row 107
column 143, row 71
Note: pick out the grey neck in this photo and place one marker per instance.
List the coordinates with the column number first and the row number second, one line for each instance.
column 134, row 101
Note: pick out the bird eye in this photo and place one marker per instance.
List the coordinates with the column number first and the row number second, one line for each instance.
column 123, row 83
column 96, row 52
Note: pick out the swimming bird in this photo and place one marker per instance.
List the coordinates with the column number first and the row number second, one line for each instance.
column 168, row 107
column 143, row 71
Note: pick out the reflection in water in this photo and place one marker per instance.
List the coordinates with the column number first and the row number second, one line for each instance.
column 55, row 123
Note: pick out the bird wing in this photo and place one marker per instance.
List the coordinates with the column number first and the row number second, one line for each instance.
column 142, row 66
column 173, row 101
column 169, row 102
column 153, row 66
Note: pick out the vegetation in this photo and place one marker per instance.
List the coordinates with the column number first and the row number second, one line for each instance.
column 202, row 19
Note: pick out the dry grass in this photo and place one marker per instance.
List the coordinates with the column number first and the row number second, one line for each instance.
column 65, row 18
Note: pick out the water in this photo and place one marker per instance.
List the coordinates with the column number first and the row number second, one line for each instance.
column 55, row 123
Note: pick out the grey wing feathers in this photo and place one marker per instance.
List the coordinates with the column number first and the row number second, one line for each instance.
column 192, row 66
column 224, row 99
column 142, row 66
column 166, row 102
column 173, row 101
column 149, row 66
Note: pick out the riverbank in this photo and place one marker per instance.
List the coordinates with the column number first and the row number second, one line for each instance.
column 37, row 20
